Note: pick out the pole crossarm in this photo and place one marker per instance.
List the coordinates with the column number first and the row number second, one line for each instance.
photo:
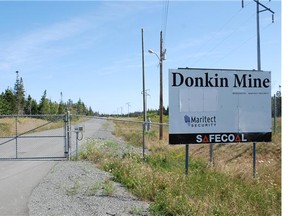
column 265, row 7
column 258, row 11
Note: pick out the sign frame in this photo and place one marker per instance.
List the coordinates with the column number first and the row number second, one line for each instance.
column 219, row 106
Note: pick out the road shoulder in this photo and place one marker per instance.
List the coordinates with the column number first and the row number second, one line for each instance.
column 79, row 188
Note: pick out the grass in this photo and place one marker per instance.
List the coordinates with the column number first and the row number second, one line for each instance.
column 202, row 192
column 227, row 188
column 8, row 125
column 4, row 128
column 94, row 189
column 31, row 125
column 232, row 159
column 108, row 187
column 159, row 179
column 74, row 189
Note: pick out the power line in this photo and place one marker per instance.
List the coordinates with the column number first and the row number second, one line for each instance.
column 225, row 38
column 165, row 11
column 220, row 29
column 258, row 4
column 212, row 37
column 239, row 46
column 248, row 39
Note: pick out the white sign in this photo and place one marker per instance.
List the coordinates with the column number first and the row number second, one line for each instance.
column 219, row 106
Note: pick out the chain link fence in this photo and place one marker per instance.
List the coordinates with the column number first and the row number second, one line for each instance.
column 32, row 136
column 133, row 132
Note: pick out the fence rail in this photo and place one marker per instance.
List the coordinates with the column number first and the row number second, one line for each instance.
column 42, row 137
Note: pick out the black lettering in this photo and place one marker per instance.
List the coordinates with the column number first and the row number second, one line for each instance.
column 189, row 81
column 240, row 82
column 199, row 81
column 216, row 80
column 266, row 82
column 222, row 82
column 194, row 119
column 249, row 81
column 181, row 77
column 257, row 83
column 208, row 80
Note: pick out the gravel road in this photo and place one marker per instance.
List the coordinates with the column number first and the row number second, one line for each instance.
column 79, row 188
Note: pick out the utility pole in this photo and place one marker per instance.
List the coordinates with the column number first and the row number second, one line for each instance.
column 258, row 37
column 258, row 4
column 161, row 88
column 258, row 11
column 143, row 77
column 128, row 105
column 145, row 106
column 144, row 99
column 161, row 58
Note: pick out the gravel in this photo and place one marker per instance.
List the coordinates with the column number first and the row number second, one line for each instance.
column 79, row 188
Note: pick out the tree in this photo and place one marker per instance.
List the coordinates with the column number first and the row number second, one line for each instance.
column 70, row 105
column 90, row 111
column 80, row 107
column 9, row 105
column 31, row 106
column 20, row 94
column 53, row 107
column 278, row 105
column 28, row 105
column 34, row 107
column 61, row 107
column 44, row 105
column 13, row 101
column 2, row 105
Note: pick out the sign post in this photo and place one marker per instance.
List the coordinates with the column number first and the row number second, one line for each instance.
column 186, row 159
column 209, row 106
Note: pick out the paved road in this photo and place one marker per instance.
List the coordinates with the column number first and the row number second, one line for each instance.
column 18, row 178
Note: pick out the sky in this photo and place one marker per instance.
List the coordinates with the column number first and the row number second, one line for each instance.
column 92, row 50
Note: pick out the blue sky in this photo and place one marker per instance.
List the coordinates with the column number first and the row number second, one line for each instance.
column 92, row 49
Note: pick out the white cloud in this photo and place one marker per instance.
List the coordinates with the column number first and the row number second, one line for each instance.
column 37, row 44
column 46, row 43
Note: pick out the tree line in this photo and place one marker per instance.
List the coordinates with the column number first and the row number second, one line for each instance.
column 276, row 103
column 13, row 101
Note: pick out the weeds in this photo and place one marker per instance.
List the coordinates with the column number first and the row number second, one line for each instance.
column 94, row 190
column 90, row 152
column 108, row 187
column 74, row 189
column 202, row 192
column 136, row 211
column 225, row 189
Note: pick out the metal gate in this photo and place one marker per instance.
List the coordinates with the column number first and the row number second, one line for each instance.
column 34, row 136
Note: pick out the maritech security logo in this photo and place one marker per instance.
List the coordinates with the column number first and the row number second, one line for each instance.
column 200, row 122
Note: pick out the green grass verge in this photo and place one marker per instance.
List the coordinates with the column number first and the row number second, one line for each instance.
column 160, row 178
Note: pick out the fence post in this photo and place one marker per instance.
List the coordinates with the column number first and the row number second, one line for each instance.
column 186, row 159
column 67, row 135
column 211, row 160
column 16, row 135
column 254, row 159
column 143, row 138
column 77, row 139
column 275, row 113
